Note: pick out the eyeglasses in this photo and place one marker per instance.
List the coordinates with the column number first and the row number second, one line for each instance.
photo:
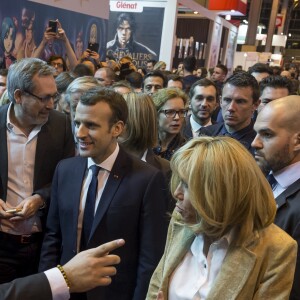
column 45, row 99
column 171, row 113
column 54, row 64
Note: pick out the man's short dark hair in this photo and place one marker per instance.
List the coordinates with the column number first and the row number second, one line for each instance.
column 129, row 17
column 260, row 68
column 115, row 101
column 156, row 73
column 189, row 63
column 223, row 68
column 276, row 82
column 244, row 79
column 152, row 61
column 175, row 77
column 55, row 57
column 135, row 79
column 203, row 82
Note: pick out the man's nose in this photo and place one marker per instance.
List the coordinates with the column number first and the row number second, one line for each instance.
column 256, row 144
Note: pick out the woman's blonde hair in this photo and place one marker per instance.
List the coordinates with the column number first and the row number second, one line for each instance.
column 141, row 126
column 163, row 95
column 226, row 187
column 159, row 65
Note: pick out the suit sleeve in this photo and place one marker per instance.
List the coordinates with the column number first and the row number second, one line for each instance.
column 278, row 278
column 27, row 288
column 67, row 151
column 295, row 293
column 153, row 231
column 51, row 248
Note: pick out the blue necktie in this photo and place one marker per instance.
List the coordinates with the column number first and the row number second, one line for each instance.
column 89, row 210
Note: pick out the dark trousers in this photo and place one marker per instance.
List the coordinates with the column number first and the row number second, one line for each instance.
column 18, row 259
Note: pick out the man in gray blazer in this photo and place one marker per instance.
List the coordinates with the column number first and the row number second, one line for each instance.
column 34, row 138
column 277, row 146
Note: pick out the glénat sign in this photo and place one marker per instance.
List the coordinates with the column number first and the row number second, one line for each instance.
column 128, row 6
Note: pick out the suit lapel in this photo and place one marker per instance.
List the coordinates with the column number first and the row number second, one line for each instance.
column 115, row 178
column 41, row 147
column 179, row 241
column 281, row 199
column 75, row 187
column 3, row 152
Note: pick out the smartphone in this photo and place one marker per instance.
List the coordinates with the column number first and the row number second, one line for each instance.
column 13, row 210
column 93, row 47
column 53, row 25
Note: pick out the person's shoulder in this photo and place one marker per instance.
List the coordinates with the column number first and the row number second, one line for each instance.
column 274, row 236
column 142, row 48
column 57, row 116
column 71, row 163
column 110, row 44
column 211, row 130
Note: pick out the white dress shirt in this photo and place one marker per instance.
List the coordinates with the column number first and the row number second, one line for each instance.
column 21, row 151
column 58, row 285
column 106, row 167
column 196, row 274
column 286, row 177
column 196, row 126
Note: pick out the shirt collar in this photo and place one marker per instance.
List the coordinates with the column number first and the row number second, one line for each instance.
column 198, row 244
column 288, row 175
column 109, row 162
column 196, row 126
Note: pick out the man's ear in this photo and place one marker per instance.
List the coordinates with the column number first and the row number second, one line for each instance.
column 297, row 141
column 118, row 128
column 18, row 96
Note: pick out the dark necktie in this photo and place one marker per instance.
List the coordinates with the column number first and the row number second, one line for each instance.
column 272, row 181
column 89, row 210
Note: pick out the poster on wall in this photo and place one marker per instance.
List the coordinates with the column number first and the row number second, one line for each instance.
column 134, row 30
column 215, row 45
column 231, row 46
column 23, row 24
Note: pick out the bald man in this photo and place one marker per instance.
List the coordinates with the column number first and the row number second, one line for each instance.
column 277, row 149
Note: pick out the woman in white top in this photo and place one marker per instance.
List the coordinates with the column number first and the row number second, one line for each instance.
column 221, row 242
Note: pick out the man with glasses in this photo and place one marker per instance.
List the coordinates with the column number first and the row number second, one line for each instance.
column 34, row 138
column 240, row 98
column 57, row 62
column 124, row 43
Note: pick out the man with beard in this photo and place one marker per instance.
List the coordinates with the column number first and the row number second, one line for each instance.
column 203, row 100
column 240, row 98
column 277, row 147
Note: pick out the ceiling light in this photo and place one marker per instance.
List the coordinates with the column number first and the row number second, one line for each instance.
column 228, row 17
column 196, row 13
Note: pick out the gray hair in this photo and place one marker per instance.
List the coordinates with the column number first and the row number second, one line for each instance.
column 20, row 75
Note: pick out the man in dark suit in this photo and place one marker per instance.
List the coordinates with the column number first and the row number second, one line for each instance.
column 277, row 145
column 130, row 200
column 240, row 98
column 85, row 271
column 34, row 138
column 203, row 100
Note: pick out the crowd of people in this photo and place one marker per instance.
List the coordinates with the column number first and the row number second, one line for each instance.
column 192, row 177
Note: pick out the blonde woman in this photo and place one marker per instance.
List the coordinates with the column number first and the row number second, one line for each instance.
column 140, row 134
column 222, row 243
